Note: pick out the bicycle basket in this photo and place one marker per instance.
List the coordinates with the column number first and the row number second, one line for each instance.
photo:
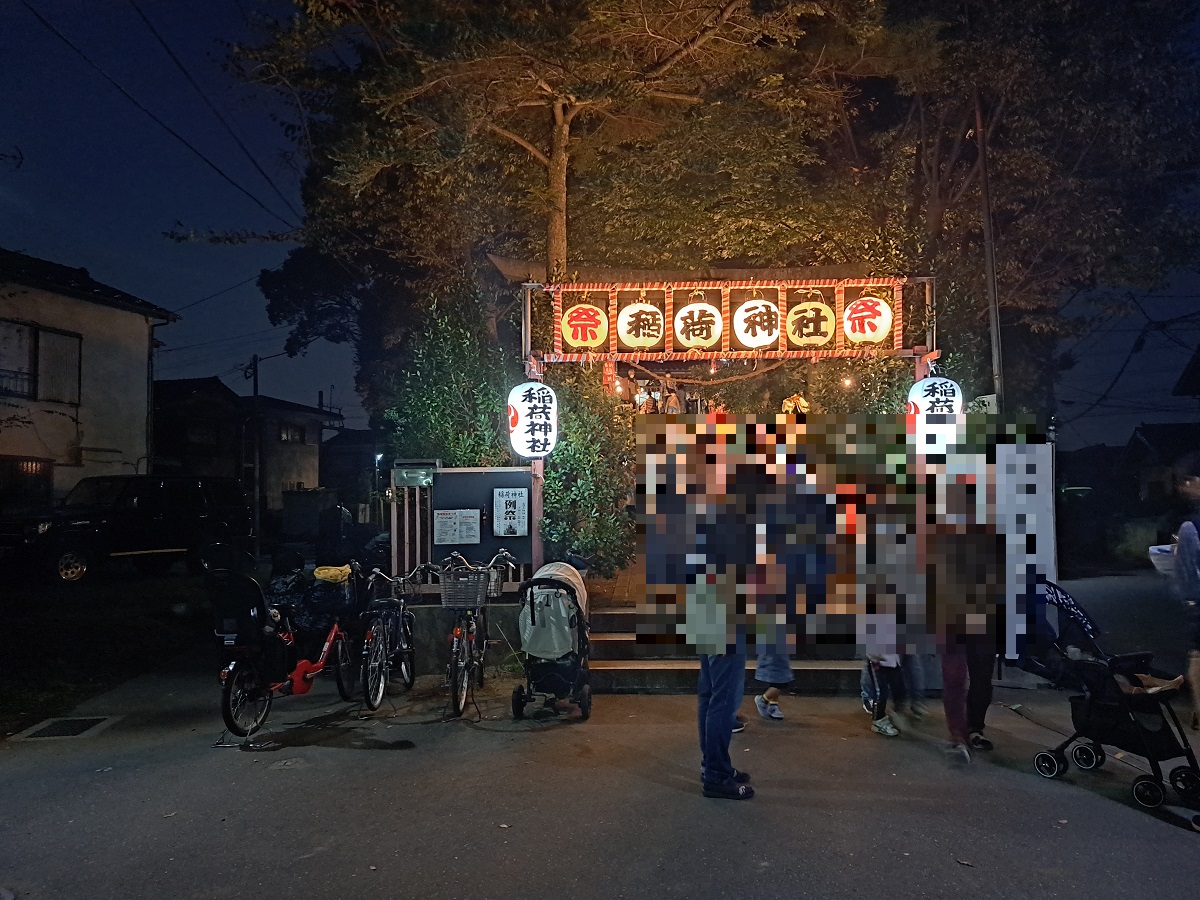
column 465, row 588
column 495, row 582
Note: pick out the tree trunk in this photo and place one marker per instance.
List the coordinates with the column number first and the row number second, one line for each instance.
column 556, row 180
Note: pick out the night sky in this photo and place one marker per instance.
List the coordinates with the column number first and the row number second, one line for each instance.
column 101, row 182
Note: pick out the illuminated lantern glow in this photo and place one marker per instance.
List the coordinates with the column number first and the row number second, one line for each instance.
column 698, row 326
column 640, row 325
column 935, row 396
column 867, row 320
column 532, row 419
column 811, row 324
column 756, row 323
column 585, row 325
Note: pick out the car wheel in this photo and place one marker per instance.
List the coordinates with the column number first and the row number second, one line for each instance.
column 70, row 565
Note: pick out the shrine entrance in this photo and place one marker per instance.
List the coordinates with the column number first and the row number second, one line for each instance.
column 648, row 328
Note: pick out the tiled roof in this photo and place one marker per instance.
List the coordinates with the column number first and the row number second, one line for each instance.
column 18, row 268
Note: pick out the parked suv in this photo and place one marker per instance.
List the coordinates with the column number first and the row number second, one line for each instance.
column 152, row 520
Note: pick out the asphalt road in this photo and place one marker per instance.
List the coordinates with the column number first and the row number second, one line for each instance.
column 337, row 803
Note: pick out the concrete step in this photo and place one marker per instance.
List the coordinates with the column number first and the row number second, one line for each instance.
column 678, row 676
column 625, row 645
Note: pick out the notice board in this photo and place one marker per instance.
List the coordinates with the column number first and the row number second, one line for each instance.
column 469, row 497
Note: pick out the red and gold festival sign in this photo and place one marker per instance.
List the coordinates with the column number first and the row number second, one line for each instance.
column 680, row 321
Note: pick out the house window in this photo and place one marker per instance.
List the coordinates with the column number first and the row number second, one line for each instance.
column 291, row 434
column 39, row 364
column 17, row 355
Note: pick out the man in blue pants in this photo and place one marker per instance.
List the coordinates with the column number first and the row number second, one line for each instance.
column 722, row 682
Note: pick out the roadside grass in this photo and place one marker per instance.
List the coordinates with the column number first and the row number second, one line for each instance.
column 60, row 646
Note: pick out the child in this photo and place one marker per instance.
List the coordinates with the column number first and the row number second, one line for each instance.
column 774, row 670
column 885, row 669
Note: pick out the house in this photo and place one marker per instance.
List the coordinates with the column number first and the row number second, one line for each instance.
column 291, row 445
column 203, row 428
column 198, row 427
column 1158, row 456
column 76, row 369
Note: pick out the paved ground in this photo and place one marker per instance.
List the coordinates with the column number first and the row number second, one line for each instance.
column 339, row 804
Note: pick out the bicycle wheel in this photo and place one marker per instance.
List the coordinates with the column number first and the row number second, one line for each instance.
column 345, row 667
column 460, row 668
column 375, row 663
column 405, row 660
column 245, row 700
column 481, row 639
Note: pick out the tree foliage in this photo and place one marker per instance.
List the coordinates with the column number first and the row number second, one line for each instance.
column 590, row 475
column 449, row 399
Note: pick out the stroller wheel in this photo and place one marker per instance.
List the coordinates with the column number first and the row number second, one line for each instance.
column 518, row 702
column 1148, row 792
column 1049, row 764
column 1186, row 782
column 585, row 702
column 1087, row 756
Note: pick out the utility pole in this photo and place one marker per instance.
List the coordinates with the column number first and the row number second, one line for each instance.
column 257, row 462
column 989, row 255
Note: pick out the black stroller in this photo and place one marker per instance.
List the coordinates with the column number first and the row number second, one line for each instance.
column 1124, row 702
column 554, row 635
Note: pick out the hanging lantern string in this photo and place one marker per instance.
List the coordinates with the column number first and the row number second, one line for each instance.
column 660, row 377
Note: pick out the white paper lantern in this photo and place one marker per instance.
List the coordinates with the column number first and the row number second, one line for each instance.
column 867, row 320
column 698, row 325
column 584, row 325
column 532, row 419
column 640, row 325
column 756, row 323
column 935, row 395
column 811, row 324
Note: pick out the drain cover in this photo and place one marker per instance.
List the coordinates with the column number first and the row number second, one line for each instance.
column 67, row 727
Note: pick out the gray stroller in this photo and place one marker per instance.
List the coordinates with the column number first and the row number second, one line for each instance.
column 554, row 635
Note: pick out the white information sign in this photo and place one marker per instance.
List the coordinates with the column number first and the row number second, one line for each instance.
column 456, row 526
column 510, row 517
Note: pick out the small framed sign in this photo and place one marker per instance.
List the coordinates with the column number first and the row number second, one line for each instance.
column 455, row 526
column 510, row 512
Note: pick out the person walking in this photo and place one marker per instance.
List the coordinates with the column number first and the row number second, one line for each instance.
column 964, row 558
column 889, row 684
column 773, row 669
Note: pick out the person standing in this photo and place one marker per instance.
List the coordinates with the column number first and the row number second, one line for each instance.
column 1187, row 585
column 696, row 552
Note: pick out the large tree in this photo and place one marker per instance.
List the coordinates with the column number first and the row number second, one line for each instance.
column 688, row 132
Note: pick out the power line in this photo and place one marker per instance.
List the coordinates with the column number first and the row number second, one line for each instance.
column 213, row 109
column 226, row 290
column 208, row 162
column 234, row 337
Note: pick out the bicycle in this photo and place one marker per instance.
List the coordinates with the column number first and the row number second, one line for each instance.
column 388, row 638
column 262, row 656
column 466, row 588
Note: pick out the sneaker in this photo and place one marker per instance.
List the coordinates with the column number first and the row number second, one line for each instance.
column 739, row 724
column 885, row 727
column 958, row 752
column 762, row 705
column 868, row 705
column 767, row 709
column 979, row 742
